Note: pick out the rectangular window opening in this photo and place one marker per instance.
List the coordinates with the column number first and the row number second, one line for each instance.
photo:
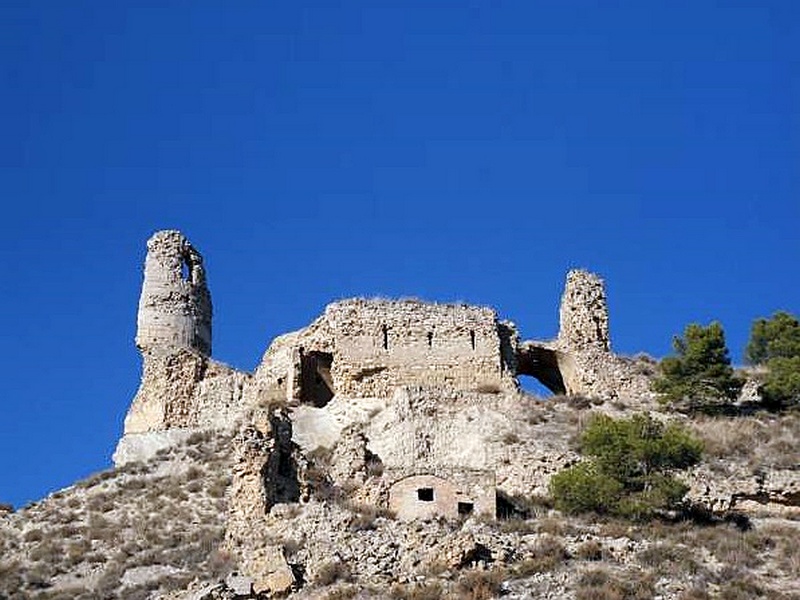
column 425, row 494
column 465, row 508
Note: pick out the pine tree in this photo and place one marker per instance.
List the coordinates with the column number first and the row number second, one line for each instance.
column 775, row 344
column 699, row 376
column 628, row 469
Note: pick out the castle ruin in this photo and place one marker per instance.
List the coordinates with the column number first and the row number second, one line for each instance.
column 410, row 400
column 410, row 376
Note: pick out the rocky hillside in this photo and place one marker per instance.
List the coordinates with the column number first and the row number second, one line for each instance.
column 158, row 530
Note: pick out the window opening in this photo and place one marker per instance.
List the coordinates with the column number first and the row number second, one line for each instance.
column 425, row 494
column 186, row 270
column 472, row 338
column 430, row 339
column 465, row 508
column 385, row 337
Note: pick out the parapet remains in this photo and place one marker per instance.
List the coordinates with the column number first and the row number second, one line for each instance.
column 406, row 381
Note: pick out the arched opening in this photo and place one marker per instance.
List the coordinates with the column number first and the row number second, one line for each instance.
column 542, row 364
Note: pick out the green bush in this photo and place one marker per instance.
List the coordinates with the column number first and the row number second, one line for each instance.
column 628, row 470
column 585, row 488
column 700, row 376
column 775, row 343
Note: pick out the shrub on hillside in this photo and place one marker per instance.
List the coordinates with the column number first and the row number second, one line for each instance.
column 585, row 488
column 628, row 470
column 699, row 377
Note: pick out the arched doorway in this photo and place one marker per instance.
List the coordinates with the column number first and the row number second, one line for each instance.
column 543, row 364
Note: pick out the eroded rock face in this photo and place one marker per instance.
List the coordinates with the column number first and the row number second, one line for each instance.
column 183, row 389
column 737, row 488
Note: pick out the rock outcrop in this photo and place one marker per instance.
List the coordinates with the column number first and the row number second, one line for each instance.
column 182, row 388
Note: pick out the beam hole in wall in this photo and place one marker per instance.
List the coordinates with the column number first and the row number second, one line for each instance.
column 425, row 494
column 465, row 508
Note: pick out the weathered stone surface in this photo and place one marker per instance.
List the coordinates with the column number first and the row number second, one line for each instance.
column 147, row 574
column 185, row 389
column 240, row 585
column 776, row 491
column 175, row 305
column 144, row 446
column 366, row 348
column 584, row 313
column 271, row 573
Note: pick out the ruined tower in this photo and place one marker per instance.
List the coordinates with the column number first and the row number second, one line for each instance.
column 584, row 313
column 175, row 305
column 182, row 388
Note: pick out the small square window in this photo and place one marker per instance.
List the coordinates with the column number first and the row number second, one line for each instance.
column 465, row 508
column 425, row 494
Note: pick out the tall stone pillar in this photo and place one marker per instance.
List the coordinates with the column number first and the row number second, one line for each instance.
column 584, row 313
column 175, row 304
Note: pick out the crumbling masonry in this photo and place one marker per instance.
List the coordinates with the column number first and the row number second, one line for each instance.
column 424, row 363
column 407, row 399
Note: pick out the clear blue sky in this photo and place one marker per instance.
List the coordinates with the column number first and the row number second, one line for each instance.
column 448, row 150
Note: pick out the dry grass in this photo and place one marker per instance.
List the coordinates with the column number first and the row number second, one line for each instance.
column 591, row 550
column 117, row 520
column 421, row 591
column 548, row 554
column 603, row 584
column 666, row 558
column 479, row 585
column 760, row 441
column 331, row 572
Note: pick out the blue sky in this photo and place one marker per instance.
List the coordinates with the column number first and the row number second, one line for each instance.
column 312, row 151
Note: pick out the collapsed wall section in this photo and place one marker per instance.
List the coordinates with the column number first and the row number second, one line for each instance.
column 182, row 389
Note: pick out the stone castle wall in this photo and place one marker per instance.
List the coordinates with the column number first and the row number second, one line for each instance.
column 380, row 345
